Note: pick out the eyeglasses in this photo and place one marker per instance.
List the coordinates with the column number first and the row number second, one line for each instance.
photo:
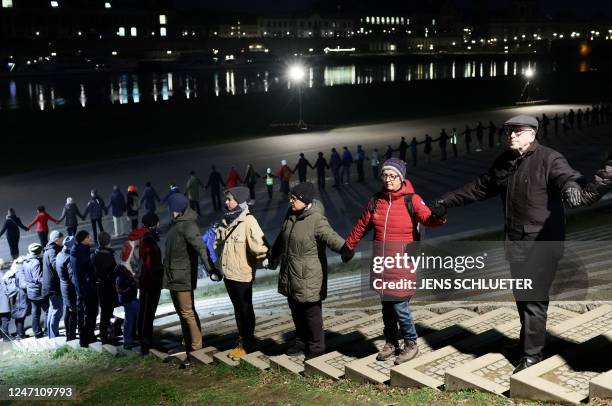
column 516, row 130
column 389, row 177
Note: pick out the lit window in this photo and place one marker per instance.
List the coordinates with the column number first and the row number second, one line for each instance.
column 133, row 31
column 107, row 5
column 169, row 52
column 121, row 32
column 114, row 52
column 162, row 19
column 54, row 4
column 162, row 31
column 7, row 3
column 368, row 20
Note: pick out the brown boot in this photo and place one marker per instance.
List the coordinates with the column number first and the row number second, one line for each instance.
column 408, row 352
column 389, row 350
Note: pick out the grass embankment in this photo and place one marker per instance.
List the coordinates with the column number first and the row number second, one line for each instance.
column 101, row 379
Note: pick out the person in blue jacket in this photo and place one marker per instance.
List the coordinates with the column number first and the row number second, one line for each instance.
column 117, row 206
column 149, row 198
column 84, row 277
column 62, row 265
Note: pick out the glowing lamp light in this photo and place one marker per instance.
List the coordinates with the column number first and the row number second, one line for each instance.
column 297, row 73
column 529, row 73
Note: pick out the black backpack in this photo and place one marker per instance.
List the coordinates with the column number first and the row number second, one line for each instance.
column 416, row 233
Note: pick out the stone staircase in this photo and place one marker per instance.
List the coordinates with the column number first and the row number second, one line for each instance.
column 458, row 349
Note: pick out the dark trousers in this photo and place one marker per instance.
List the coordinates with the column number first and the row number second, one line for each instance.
column 71, row 231
column 43, row 237
column 302, row 176
column 270, row 189
column 106, row 297
column 215, row 195
column 149, row 299
column 336, row 173
column 20, row 327
column 360, row 173
column 414, row 159
column 5, row 319
column 321, row 179
column 38, row 307
column 89, row 308
column 135, row 223
column 251, row 187
column 71, row 321
column 443, row 153
column 533, row 317
column 308, row 320
column 241, row 295
column 375, row 172
column 96, row 224
column 532, row 306
column 195, row 205
column 13, row 247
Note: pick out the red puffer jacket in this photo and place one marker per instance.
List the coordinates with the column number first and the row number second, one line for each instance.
column 393, row 228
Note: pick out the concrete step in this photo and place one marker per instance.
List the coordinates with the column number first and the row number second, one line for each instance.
column 565, row 377
column 257, row 359
column 586, row 326
column 369, row 369
column 491, row 372
column 202, row 356
column 331, row 365
column 601, row 386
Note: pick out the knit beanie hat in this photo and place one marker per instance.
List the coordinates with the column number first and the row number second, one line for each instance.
column 35, row 248
column 104, row 239
column 178, row 203
column 150, row 220
column 239, row 193
column 304, row 192
column 55, row 235
column 81, row 235
column 396, row 165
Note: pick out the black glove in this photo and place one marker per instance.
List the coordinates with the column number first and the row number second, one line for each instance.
column 346, row 254
column 215, row 275
column 439, row 211
column 573, row 196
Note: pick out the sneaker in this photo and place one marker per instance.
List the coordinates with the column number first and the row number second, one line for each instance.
column 237, row 353
column 387, row 351
column 408, row 352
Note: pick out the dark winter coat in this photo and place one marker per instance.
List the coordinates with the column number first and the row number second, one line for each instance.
column 104, row 265
column 335, row 162
column 301, row 246
column 62, row 265
column 149, row 198
column 215, row 182
column 50, row 280
column 530, row 186
column 82, row 272
column 133, row 205
column 152, row 272
column 33, row 273
column 183, row 247
column 11, row 228
column 95, row 208
column 70, row 213
column 117, row 203
column 601, row 185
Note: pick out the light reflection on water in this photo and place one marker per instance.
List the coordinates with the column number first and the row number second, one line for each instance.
column 87, row 90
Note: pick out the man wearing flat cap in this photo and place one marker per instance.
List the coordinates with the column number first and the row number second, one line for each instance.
column 532, row 181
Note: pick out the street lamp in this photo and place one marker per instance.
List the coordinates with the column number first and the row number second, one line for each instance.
column 296, row 75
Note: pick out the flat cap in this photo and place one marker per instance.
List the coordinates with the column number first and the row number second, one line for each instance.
column 523, row 120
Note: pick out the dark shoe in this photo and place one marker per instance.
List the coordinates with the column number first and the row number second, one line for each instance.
column 313, row 355
column 408, row 352
column 525, row 363
column 295, row 350
column 185, row 364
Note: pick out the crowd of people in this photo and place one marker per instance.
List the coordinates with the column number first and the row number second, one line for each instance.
column 64, row 277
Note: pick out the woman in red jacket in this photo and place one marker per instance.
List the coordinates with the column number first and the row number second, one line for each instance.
column 42, row 228
column 233, row 179
column 393, row 215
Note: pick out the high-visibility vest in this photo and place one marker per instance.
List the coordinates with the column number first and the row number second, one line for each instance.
column 269, row 180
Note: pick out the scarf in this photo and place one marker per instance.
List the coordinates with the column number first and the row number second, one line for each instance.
column 231, row 215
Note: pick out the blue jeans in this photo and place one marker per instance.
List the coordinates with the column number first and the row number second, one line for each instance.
column 395, row 313
column 131, row 314
column 54, row 315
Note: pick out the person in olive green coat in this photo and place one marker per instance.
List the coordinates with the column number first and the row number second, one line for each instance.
column 301, row 246
column 192, row 191
column 183, row 247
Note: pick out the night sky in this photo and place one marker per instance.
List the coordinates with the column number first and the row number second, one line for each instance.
column 585, row 8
